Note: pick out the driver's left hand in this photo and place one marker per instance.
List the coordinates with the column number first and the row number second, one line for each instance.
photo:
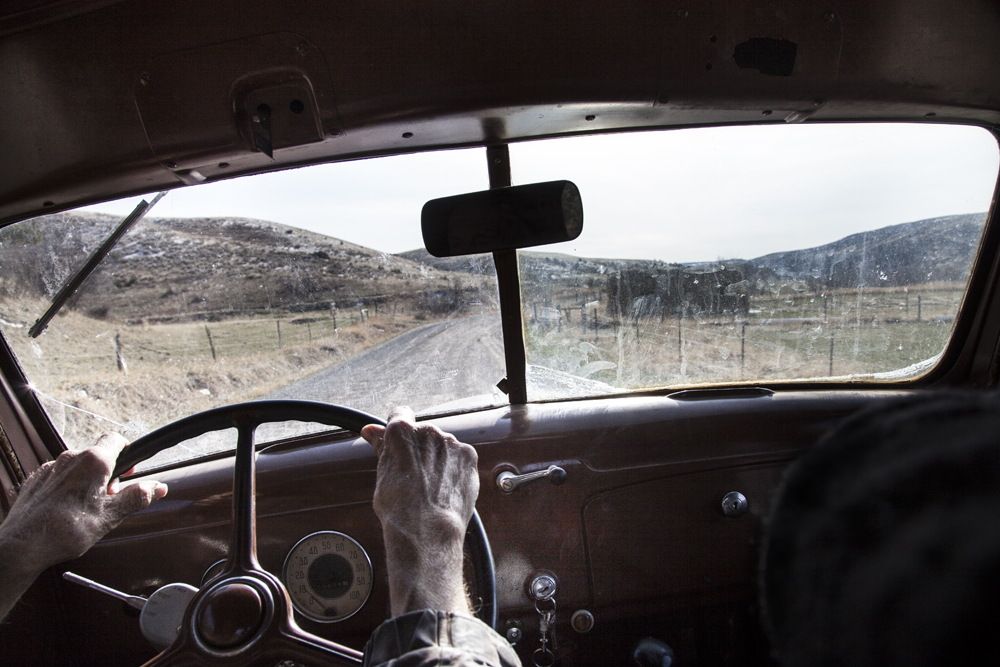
column 62, row 509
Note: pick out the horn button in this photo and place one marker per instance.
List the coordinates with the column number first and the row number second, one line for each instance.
column 230, row 615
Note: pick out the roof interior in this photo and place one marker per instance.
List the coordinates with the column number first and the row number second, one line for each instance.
column 106, row 98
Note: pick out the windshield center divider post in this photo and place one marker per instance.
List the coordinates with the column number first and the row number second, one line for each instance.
column 509, row 285
column 73, row 284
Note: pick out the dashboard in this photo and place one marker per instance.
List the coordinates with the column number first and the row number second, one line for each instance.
column 645, row 537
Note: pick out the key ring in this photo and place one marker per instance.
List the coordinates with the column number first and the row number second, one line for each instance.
column 542, row 611
column 543, row 657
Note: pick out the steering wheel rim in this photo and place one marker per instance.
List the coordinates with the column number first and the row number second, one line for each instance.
column 269, row 631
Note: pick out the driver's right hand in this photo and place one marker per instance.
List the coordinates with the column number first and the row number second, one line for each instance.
column 426, row 489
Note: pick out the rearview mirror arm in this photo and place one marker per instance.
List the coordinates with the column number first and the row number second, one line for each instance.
column 509, row 286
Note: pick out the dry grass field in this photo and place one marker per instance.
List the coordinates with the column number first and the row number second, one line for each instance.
column 169, row 370
column 845, row 334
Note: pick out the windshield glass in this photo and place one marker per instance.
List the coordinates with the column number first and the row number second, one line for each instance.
column 718, row 255
column 745, row 254
column 305, row 284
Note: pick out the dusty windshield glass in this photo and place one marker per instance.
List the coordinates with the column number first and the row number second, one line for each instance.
column 758, row 253
column 306, row 284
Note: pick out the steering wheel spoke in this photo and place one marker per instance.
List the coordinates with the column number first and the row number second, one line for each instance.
column 243, row 548
column 295, row 644
column 176, row 655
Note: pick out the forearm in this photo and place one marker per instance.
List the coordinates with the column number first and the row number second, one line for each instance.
column 18, row 570
column 424, row 579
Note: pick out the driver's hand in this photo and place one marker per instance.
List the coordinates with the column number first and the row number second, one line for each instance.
column 425, row 493
column 68, row 504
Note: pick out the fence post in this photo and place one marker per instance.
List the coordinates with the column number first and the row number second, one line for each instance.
column 122, row 366
column 595, row 325
column 680, row 342
column 310, row 329
column 278, row 322
column 211, row 345
column 831, row 354
column 919, row 304
column 743, row 347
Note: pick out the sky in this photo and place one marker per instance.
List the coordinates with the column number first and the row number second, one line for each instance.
column 677, row 196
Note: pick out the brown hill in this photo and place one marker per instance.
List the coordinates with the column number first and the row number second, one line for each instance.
column 183, row 268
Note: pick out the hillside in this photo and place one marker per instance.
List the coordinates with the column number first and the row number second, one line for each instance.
column 176, row 268
column 937, row 249
column 538, row 264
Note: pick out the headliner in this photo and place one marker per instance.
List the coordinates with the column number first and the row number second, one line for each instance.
column 106, row 98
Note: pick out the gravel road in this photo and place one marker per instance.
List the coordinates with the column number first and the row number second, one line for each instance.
column 423, row 368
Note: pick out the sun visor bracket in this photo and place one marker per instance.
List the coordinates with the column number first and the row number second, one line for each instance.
column 236, row 102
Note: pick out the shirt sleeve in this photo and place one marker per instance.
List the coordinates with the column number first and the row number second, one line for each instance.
column 430, row 638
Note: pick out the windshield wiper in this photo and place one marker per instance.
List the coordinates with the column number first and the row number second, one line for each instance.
column 95, row 259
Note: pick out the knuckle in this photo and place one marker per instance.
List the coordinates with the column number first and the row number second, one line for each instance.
column 397, row 429
column 93, row 461
column 65, row 459
column 131, row 499
column 469, row 453
column 429, row 432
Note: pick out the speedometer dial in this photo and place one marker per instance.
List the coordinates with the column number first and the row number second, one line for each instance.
column 328, row 576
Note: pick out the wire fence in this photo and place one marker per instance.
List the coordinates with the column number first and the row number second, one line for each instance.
column 798, row 336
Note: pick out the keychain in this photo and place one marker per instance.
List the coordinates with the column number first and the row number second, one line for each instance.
column 543, row 588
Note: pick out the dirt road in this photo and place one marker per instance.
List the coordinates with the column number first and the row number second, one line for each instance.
column 423, row 368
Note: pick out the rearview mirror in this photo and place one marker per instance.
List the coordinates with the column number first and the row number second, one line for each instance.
column 521, row 216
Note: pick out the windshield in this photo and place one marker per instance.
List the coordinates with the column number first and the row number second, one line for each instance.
column 305, row 284
column 719, row 255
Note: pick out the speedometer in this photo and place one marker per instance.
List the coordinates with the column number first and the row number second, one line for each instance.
column 328, row 576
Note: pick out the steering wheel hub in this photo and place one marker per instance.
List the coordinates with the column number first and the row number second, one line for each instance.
column 230, row 615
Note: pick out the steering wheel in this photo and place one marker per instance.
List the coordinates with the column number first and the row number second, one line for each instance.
column 244, row 615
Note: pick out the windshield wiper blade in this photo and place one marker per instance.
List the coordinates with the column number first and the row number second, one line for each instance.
column 95, row 259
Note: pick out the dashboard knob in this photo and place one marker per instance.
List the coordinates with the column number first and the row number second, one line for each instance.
column 651, row 652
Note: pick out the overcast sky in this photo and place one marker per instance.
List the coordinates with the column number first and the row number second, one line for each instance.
column 683, row 195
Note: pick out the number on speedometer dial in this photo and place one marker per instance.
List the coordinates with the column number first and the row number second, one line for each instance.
column 328, row 576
